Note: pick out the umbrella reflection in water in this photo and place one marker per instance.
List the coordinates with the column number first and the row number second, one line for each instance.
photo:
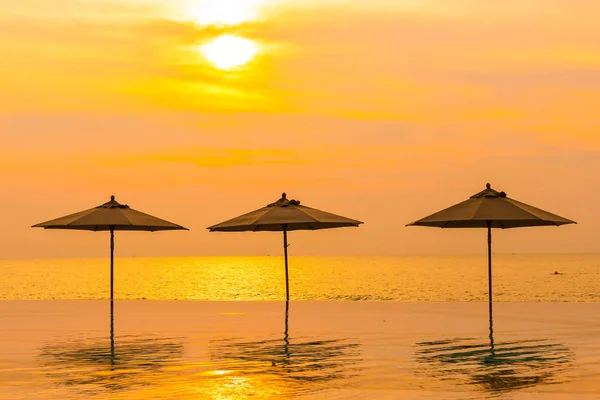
column 96, row 365
column 495, row 367
column 297, row 365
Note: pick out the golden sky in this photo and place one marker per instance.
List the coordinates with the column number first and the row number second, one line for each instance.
column 384, row 111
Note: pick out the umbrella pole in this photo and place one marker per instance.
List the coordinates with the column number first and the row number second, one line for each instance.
column 287, row 311
column 490, row 262
column 286, row 337
column 285, row 246
column 492, row 353
column 112, row 316
column 491, row 328
column 112, row 252
column 112, row 333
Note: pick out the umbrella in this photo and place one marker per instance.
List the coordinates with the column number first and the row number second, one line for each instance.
column 111, row 216
column 284, row 215
column 491, row 209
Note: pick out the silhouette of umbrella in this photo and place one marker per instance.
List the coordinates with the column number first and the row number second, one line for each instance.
column 284, row 215
column 110, row 216
column 491, row 209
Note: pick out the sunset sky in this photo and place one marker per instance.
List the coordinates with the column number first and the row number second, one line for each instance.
column 385, row 111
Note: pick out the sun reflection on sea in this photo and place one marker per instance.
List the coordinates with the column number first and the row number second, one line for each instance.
column 238, row 387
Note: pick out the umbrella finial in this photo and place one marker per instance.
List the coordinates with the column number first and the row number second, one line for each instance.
column 283, row 195
column 112, row 198
column 488, row 186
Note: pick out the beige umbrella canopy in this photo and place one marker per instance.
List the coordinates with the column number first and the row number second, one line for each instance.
column 284, row 215
column 491, row 209
column 111, row 216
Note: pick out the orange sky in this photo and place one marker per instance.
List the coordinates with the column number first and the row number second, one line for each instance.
column 383, row 111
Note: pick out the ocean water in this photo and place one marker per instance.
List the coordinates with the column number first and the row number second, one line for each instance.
column 519, row 277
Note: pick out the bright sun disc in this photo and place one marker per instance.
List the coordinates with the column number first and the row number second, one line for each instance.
column 229, row 51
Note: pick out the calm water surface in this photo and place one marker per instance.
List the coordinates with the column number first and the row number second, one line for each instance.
column 404, row 278
column 305, row 350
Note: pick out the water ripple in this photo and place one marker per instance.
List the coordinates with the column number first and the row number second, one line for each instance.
column 495, row 367
column 297, row 362
column 97, row 364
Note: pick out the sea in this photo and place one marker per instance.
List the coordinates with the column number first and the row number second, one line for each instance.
column 516, row 277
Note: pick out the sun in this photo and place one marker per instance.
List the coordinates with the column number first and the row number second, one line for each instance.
column 229, row 51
